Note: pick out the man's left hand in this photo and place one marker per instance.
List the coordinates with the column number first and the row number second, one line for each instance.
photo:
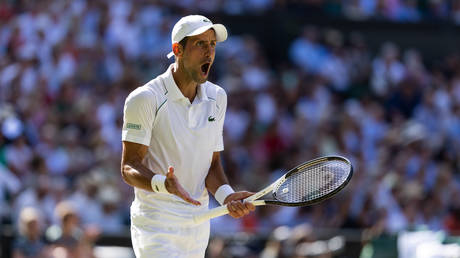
column 236, row 207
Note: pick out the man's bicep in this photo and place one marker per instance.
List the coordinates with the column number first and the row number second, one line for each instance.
column 133, row 152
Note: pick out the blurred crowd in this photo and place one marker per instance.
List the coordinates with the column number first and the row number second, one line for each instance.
column 67, row 66
column 391, row 10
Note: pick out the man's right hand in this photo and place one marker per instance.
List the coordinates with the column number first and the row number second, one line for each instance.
column 173, row 186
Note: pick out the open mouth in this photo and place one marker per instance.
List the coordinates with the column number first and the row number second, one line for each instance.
column 205, row 68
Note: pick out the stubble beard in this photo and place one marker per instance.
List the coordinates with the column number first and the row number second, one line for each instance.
column 196, row 75
column 198, row 78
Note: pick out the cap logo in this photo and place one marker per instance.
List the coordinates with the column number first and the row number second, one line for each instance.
column 206, row 20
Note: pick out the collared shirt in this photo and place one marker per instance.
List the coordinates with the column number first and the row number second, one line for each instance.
column 179, row 134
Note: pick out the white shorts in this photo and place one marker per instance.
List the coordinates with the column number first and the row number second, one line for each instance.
column 167, row 240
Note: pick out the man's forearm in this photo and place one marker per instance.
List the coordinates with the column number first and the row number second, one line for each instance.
column 217, row 184
column 133, row 171
column 216, row 176
column 216, row 181
column 137, row 175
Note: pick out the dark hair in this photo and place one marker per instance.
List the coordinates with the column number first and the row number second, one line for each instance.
column 183, row 42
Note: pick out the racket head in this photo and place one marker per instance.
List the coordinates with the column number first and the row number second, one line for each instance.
column 311, row 182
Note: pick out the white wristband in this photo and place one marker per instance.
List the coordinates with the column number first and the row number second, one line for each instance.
column 158, row 184
column 222, row 192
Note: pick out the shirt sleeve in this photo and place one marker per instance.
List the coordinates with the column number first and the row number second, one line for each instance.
column 138, row 117
column 222, row 107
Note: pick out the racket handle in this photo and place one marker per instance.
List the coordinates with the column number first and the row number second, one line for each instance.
column 218, row 211
column 212, row 213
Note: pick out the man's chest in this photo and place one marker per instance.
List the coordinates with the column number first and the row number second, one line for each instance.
column 183, row 124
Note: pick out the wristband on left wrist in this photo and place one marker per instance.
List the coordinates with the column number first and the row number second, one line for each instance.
column 222, row 193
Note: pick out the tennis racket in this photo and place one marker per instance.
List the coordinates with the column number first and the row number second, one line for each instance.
column 307, row 184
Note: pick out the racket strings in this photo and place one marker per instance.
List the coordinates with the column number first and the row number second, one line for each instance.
column 313, row 182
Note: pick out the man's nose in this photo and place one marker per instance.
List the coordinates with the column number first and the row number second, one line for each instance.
column 207, row 50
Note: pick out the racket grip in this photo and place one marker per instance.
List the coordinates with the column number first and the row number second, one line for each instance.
column 219, row 211
column 216, row 212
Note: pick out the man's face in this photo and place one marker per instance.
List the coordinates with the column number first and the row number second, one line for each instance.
column 199, row 54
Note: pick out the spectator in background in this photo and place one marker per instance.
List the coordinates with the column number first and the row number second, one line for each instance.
column 68, row 234
column 111, row 221
column 452, row 221
column 38, row 196
column 306, row 52
column 387, row 70
column 30, row 243
column 9, row 186
column 69, row 239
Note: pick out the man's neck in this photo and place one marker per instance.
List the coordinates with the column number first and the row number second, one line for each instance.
column 186, row 85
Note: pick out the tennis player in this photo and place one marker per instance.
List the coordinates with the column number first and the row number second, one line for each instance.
column 172, row 136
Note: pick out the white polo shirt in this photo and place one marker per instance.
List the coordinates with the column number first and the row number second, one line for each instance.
column 179, row 134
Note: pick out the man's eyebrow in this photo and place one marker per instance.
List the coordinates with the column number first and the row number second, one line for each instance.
column 204, row 40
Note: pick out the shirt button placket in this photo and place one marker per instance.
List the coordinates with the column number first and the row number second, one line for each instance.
column 192, row 122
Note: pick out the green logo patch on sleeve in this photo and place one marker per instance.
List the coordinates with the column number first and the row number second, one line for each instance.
column 133, row 126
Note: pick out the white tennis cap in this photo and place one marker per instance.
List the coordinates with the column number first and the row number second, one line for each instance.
column 192, row 25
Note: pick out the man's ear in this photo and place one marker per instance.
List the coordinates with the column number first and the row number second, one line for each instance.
column 177, row 49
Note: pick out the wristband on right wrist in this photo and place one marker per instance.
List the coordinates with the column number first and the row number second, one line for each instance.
column 158, row 184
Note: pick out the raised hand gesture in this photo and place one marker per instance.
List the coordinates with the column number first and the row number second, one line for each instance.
column 173, row 186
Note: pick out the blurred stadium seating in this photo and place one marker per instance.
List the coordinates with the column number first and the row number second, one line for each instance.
column 377, row 81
